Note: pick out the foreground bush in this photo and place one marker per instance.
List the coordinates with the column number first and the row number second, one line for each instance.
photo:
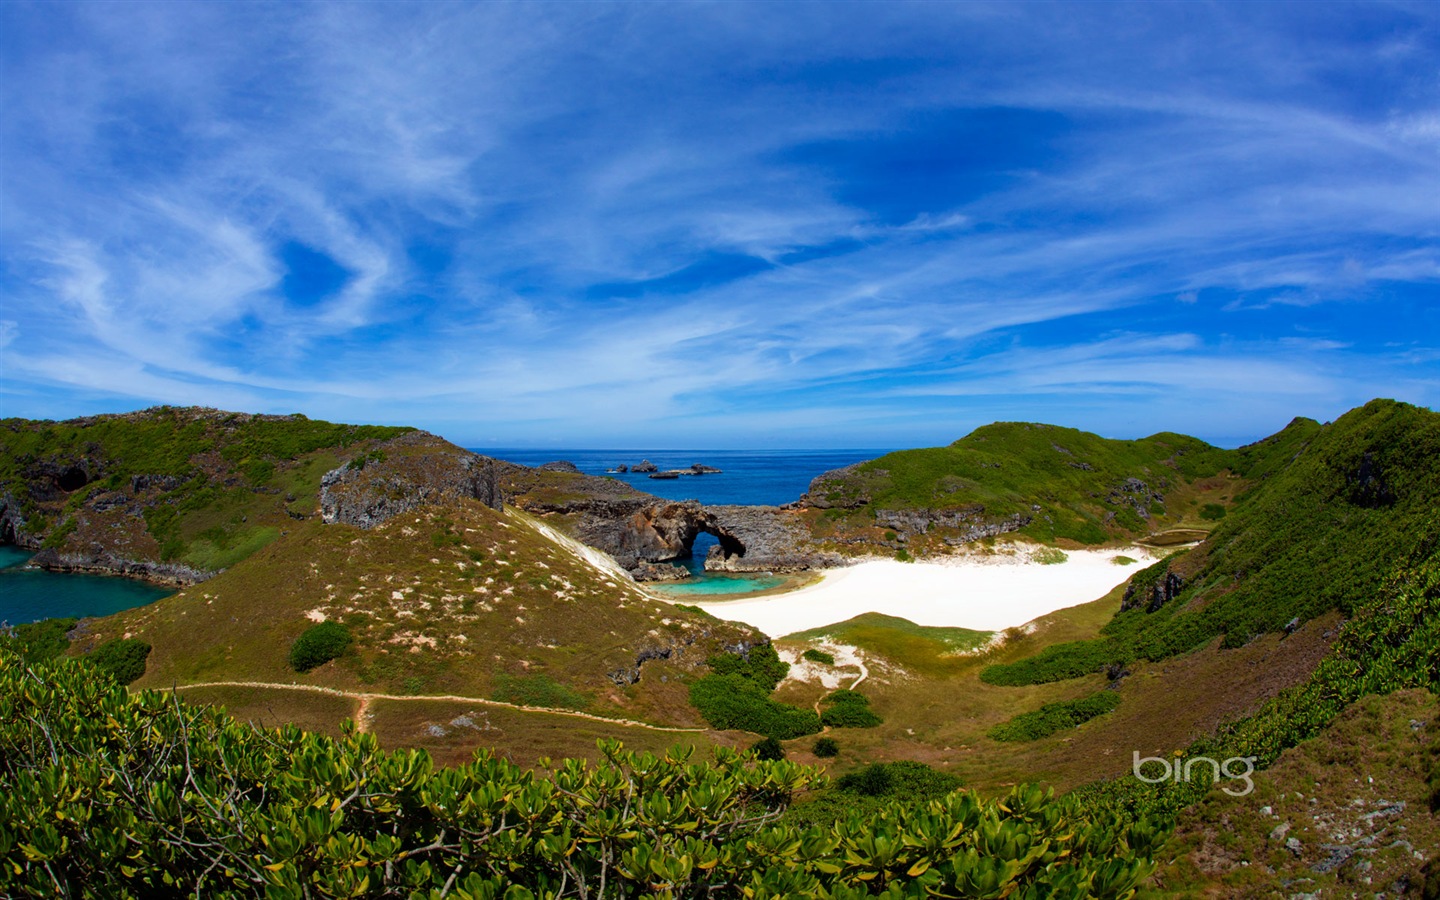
column 317, row 645
column 106, row 795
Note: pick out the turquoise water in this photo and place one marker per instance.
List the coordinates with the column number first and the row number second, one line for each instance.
column 712, row 585
column 29, row 595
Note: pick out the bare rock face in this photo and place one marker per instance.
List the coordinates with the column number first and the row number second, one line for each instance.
column 774, row 539
column 409, row 471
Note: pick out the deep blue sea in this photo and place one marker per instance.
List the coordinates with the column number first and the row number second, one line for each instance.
column 29, row 595
column 749, row 477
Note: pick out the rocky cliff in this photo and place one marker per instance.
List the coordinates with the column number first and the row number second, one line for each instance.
column 415, row 469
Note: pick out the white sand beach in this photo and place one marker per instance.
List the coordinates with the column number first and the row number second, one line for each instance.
column 983, row 593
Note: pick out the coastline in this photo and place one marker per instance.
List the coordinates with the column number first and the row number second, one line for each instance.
column 980, row 592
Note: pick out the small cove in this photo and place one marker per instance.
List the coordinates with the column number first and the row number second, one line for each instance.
column 714, row 584
column 29, row 595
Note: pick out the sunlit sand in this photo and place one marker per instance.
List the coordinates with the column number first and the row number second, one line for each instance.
column 980, row 592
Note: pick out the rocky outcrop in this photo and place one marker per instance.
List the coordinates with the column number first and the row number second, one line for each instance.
column 775, row 539
column 12, row 523
column 1164, row 590
column 1137, row 495
column 412, row 470
column 838, row 489
column 644, row 466
column 660, row 572
column 650, row 531
column 560, row 465
column 99, row 561
column 970, row 523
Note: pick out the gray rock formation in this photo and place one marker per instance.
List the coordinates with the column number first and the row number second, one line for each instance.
column 971, row 522
column 644, row 466
column 837, row 489
column 12, row 523
column 774, row 539
column 1161, row 592
column 416, row 469
column 560, row 465
column 99, row 561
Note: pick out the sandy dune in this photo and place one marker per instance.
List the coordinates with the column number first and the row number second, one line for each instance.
column 983, row 593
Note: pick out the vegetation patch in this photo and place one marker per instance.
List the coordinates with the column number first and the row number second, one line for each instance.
column 733, row 701
column 918, row 648
column 1053, row 717
column 1049, row 556
column 122, row 658
column 819, row 656
column 826, row 748
column 319, row 644
column 848, row 709
column 537, row 690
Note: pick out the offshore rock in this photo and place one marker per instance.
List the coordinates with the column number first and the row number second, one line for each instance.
column 644, row 466
column 559, row 465
column 414, row 470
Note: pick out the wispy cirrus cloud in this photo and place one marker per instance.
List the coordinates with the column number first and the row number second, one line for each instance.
column 612, row 222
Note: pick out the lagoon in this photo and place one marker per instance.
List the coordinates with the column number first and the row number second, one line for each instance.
column 29, row 595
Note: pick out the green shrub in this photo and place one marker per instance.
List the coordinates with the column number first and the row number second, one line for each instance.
column 1212, row 512
column 1124, row 560
column 848, row 709
column 1053, row 717
column 122, row 658
column 903, row 555
column 761, row 665
column 826, row 748
column 819, row 656
column 733, row 701
column 768, row 749
column 319, row 644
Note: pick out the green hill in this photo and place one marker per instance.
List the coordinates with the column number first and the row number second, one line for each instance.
column 168, row 493
column 1322, row 533
column 1043, row 482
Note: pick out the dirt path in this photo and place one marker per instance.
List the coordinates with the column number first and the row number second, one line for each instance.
column 364, row 700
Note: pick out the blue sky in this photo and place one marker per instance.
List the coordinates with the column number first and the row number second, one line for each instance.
column 722, row 224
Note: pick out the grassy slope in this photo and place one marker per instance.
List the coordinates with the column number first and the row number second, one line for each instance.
column 238, row 480
column 1364, row 784
column 443, row 600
